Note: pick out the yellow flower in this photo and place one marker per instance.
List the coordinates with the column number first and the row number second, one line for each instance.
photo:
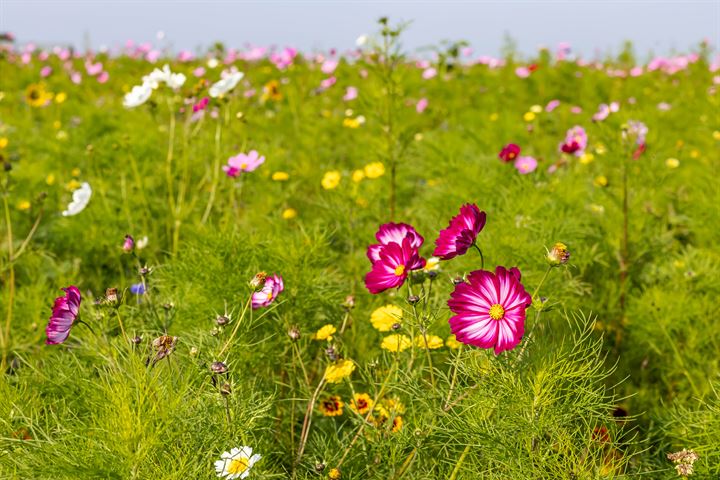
column 289, row 213
column 672, row 162
column 396, row 343
column 330, row 180
column 393, row 404
column 452, row 342
column 361, row 403
column 694, row 153
column 280, row 176
column 433, row 342
column 326, row 113
column 397, row 424
column 600, row 181
column 4, row 142
column 72, row 185
column 432, row 264
column 600, row 149
column 418, row 137
column 351, row 123
column 334, row 474
column 271, row 91
column 60, row 97
column 57, row 124
column 50, row 179
column 331, row 406
column 37, row 96
column 23, row 205
column 374, row 170
column 529, row 116
column 586, row 158
column 338, row 371
column 362, row 202
column 325, row 333
column 678, row 263
column 384, row 318
column 75, row 172
column 536, row 109
column 357, row 176
column 716, row 134
column 494, row 117
column 598, row 209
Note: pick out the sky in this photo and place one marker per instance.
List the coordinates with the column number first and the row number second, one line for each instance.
column 591, row 27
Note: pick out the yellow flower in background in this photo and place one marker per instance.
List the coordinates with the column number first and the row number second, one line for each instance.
column 325, row 333
column 600, row 181
column 716, row 134
column 271, row 91
column 75, row 172
column 37, row 96
column 334, row 474
column 4, row 142
column 351, row 123
column 289, row 213
column 597, row 209
column 361, row 403
column 330, row 180
column 393, row 404
column 326, row 113
column 452, row 342
column 332, row 406
column 536, row 109
column 50, row 179
column 432, row 264
column 374, row 170
column 72, row 185
column 418, row 137
column 384, row 318
column 362, row 202
column 280, row 176
column 357, row 176
column 23, row 205
column 397, row 424
column 57, row 124
column 672, row 163
column 338, row 371
column 586, row 158
column 396, row 343
column 60, row 97
column 529, row 116
column 694, row 153
column 600, row 149
column 494, row 117
column 433, row 342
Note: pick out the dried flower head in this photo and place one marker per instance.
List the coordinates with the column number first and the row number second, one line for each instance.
column 558, row 255
column 164, row 346
column 258, row 280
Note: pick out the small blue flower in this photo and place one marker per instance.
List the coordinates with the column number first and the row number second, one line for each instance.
column 137, row 288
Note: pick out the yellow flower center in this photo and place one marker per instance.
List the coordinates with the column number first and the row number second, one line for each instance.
column 243, row 166
column 399, row 270
column 269, row 296
column 238, row 465
column 496, row 312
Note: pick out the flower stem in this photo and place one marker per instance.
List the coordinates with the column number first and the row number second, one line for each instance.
column 237, row 326
column 454, row 376
column 482, row 258
column 308, row 420
column 459, row 463
column 10, row 281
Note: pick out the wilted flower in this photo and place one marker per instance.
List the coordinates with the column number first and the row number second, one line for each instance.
column 218, row 368
column 558, row 255
column 384, row 318
column 236, row 463
column 257, row 280
column 338, row 371
column 80, row 199
column 331, row 406
column 64, row 312
column 164, row 346
column 272, row 288
column 461, row 233
column 684, row 460
column 490, row 309
column 509, row 152
column 243, row 163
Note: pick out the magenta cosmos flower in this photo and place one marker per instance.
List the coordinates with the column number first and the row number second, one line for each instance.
column 395, row 262
column 64, row 313
column 509, row 152
column 461, row 233
column 575, row 141
column 490, row 309
column 272, row 288
column 243, row 163
column 393, row 233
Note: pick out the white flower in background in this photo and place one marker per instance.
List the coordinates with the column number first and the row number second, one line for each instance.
column 137, row 96
column 226, row 84
column 80, row 199
column 213, row 63
column 172, row 80
column 141, row 242
column 236, row 463
column 361, row 40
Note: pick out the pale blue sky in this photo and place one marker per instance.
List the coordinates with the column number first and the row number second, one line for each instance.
column 590, row 26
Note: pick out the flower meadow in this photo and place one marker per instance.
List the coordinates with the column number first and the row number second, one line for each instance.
column 371, row 263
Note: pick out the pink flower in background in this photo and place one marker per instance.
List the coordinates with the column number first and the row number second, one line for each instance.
column 602, row 113
column 522, row 72
column 393, row 233
column 525, row 165
column 76, row 78
column 103, row 77
column 328, row 82
column 576, row 110
column 199, row 72
column 509, row 152
column 283, row 59
column 185, row 56
column 153, row 55
column 26, row 58
column 201, row 104
column 350, row 94
column 429, row 73
column 64, row 313
column 636, row 71
column 329, row 66
column 421, row 105
column 93, row 69
column 267, row 295
column 46, row 71
column 490, row 309
column 575, row 141
column 243, row 163
column 395, row 263
column 552, row 105
column 461, row 233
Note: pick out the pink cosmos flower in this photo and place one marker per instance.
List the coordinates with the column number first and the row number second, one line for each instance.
column 327, row 83
column 429, row 73
column 575, row 141
column 509, row 152
column 525, row 165
column 350, row 94
column 93, row 68
column 201, row 105
column 392, row 268
column 76, row 77
column 461, row 233
column 552, row 105
column 522, row 72
column 103, row 77
column 46, row 71
column 199, row 72
column 329, row 66
column 421, row 105
column 272, row 288
column 490, row 309
column 64, row 313
column 393, row 233
column 243, row 163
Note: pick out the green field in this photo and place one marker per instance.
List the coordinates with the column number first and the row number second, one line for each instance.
column 619, row 363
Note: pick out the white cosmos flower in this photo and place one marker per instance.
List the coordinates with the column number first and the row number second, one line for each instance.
column 361, row 40
column 236, row 463
column 172, row 80
column 226, row 84
column 138, row 95
column 141, row 242
column 80, row 199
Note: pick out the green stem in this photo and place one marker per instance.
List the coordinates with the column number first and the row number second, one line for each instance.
column 482, row 258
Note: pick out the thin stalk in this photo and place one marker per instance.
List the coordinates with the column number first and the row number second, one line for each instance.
column 482, row 258
column 10, row 282
column 237, row 326
column 308, row 420
column 215, row 173
column 459, row 463
column 454, row 376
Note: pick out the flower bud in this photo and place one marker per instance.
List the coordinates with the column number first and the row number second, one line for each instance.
column 136, row 340
column 225, row 389
column 349, row 302
column 193, row 351
column 558, row 255
column 413, row 299
column 144, row 271
column 319, row 467
column 294, row 333
column 128, row 244
column 458, row 280
column 331, row 353
column 111, row 296
column 258, row 280
column 218, row 368
column 222, row 320
column 396, row 326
